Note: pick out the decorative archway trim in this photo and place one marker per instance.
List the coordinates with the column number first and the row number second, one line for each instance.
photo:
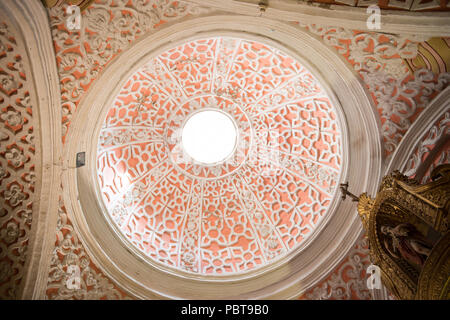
column 30, row 18
column 418, row 130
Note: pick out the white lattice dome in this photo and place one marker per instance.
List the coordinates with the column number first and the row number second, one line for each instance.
column 245, row 208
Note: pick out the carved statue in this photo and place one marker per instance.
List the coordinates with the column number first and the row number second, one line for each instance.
column 407, row 241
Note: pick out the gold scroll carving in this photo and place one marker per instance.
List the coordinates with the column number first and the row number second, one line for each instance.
column 407, row 228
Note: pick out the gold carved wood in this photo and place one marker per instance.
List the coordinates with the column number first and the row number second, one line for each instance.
column 432, row 199
column 408, row 216
column 434, row 281
column 402, row 283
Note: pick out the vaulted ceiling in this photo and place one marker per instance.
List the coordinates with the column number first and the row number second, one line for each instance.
column 337, row 103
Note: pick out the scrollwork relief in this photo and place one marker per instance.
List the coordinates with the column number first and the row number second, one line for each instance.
column 69, row 256
column 17, row 161
column 108, row 27
column 379, row 60
column 440, row 130
column 349, row 280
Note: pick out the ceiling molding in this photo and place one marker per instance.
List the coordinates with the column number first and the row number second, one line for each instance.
column 429, row 24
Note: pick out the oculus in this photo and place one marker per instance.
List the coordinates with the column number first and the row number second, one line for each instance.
column 209, row 136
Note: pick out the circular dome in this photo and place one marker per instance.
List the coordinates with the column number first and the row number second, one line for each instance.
column 263, row 189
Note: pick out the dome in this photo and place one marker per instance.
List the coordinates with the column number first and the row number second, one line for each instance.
column 270, row 156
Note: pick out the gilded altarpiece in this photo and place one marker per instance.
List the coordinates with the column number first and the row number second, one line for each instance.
column 407, row 230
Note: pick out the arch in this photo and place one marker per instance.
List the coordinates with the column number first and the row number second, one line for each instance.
column 416, row 133
column 30, row 20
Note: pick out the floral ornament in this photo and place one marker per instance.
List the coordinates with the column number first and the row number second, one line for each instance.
column 106, row 138
column 26, row 216
column 56, row 275
column 8, row 83
column 272, row 243
column 70, row 258
column 98, row 21
column 30, row 178
column 401, row 99
column 190, row 241
column 346, row 281
column 16, row 157
column 108, row 28
column 18, row 66
column 29, row 138
column 25, row 101
column 70, row 252
column 84, row 263
column 67, row 62
column 123, row 138
column 12, row 117
column 379, row 61
column 90, row 279
column 14, row 195
column 67, row 244
column 11, row 233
